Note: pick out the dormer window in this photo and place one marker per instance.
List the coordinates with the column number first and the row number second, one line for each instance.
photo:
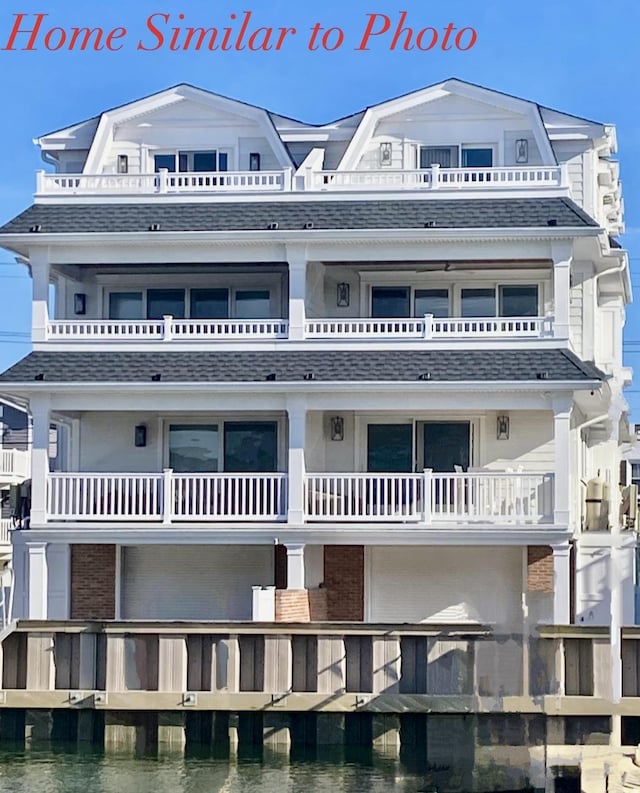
column 192, row 161
column 466, row 156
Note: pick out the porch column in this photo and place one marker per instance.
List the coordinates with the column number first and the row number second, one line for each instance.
column 297, row 412
column 562, row 255
column 40, row 307
column 38, row 580
column 41, row 413
column 562, row 446
column 295, row 566
column 297, row 259
column 561, row 586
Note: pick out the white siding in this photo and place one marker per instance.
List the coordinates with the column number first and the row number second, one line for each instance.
column 530, row 443
column 210, row 582
column 510, row 138
column 571, row 152
column 576, row 311
column 445, row 585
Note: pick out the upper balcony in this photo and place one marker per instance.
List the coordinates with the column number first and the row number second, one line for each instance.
column 511, row 179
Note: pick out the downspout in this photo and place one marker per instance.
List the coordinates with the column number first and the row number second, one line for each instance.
column 617, row 269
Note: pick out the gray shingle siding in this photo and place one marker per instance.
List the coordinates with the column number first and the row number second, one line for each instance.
column 289, row 366
column 294, row 215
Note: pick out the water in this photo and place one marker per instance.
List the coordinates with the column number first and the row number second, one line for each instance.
column 357, row 772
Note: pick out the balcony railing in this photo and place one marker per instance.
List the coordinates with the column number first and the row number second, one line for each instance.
column 15, row 465
column 166, row 497
column 217, row 182
column 167, row 329
column 163, row 183
column 426, row 498
column 399, row 329
column 487, row 497
column 6, row 526
column 436, row 178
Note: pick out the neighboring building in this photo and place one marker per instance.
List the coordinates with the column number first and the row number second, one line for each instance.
column 372, row 364
column 15, row 430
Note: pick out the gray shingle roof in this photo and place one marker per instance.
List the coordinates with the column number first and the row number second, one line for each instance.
column 288, row 366
column 294, row 215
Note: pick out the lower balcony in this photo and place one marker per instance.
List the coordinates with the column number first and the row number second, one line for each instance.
column 14, row 466
column 427, row 498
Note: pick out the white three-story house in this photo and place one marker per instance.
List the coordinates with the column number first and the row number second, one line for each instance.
column 365, row 371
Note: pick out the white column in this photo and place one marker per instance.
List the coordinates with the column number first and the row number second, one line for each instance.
column 41, row 413
column 297, row 259
column 296, row 409
column 561, row 584
column 37, row 580
column 561, row 254
column 295, row 566
column 562, row 447
column 40, row 306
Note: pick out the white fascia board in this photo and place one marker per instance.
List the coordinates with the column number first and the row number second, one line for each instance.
column 259, row 236
column 303, row 387
column 283, row 533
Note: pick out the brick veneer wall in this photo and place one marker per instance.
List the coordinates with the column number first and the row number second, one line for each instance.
column 539, row 568
column 93, row 582
column 344, row 582
column 292, row 605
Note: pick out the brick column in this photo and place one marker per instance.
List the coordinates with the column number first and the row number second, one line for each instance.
column 344, row 582
column 93, row 582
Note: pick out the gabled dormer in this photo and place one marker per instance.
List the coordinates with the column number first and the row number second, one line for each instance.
column 183, row 129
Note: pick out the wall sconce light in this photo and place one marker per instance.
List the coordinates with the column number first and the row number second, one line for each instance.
column 522, row 150
column 123, row 163
column 502, row 428
column 337, row 428
column 385, row 154
column 140, row 435
column 343, row 295
column 79, row 303
column 254, row 161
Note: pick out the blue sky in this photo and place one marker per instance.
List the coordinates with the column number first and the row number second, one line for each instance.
column 581, row 56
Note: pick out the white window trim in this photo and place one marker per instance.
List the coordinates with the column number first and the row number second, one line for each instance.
column 362, row 420
column 232, row 290
column 219, row 421
column 455, row 290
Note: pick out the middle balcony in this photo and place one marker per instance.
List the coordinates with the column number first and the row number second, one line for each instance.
column 424, row 471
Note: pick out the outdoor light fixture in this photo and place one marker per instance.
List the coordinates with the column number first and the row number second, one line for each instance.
column 343, row 297
column 337, row 428
column 79, row 303
column 502, row 428
column 123, row 163
column 385, row 154
column 522, row 150
column 140, row 435
column 254, row 161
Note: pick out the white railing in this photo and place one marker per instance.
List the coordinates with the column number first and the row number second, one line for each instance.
column 486, row 497
column 429, row 327
column 105, row 497
column 6, row 527
column 162, row 182
column 166, row 497
column 229, row 496
column 167, row 329
column 436, row 178
column 15, row 464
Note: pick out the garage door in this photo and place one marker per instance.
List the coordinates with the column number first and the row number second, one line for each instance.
column 427, row 584
column 210, row 582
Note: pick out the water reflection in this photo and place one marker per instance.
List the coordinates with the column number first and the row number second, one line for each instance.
column 65, row 769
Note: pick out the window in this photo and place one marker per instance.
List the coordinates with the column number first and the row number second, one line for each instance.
column 193, row 448
column 198, row 161
column 232, row 446
column 444, row 156
column 125, row 305
column 165, row 301
column 389, row 448
column 221, row 303
column 478, row 303
column 518, row 301
column 390, row 301
column 253, row 304
column 209, row 304
column 431, row 301
column 476, row 157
